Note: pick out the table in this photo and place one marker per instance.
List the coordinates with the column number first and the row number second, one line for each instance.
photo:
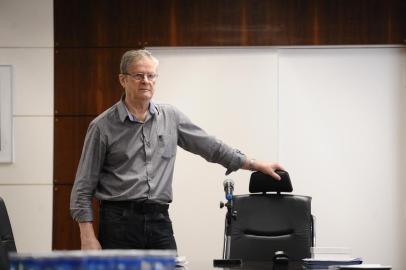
column 208, row 265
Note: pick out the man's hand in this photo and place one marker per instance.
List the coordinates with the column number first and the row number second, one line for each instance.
column 87, row 237
column 263, row 166
column 269, row 168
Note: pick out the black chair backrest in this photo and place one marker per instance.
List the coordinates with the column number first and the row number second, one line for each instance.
column 260, row 182
column 266, row 223
column 7, row 243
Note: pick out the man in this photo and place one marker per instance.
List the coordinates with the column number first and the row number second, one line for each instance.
column 128, row 159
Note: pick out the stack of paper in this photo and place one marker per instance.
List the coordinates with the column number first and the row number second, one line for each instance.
column 361, row 266
column 331, row 253
column 324, row 264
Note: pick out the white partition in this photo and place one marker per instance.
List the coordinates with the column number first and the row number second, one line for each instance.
column 342, row 134
column 33, row 146
column 231, row 93
column 33, row 89
column 26, row 44
column 30, row 210
column 333, row 116
column 25, row 23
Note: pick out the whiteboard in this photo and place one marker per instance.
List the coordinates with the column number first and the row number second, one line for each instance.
column 6, row 115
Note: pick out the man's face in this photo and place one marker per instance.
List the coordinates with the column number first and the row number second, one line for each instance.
column 136, row 84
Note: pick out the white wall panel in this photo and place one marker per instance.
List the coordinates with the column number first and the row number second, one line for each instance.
column 26, row 43
column 401, row 163
column 30, row 210
column 33, row 152
column 32, row 79
column 25, row 23
column 231, row 93
column 340, row 137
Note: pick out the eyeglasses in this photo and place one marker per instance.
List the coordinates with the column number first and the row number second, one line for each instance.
column 141, row 76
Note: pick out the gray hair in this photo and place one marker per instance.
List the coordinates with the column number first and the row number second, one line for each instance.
column 132, row 56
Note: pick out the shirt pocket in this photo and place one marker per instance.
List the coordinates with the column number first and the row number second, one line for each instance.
column 167, row 145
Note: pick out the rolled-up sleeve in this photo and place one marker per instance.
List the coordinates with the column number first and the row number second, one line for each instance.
column 194, row 139
column 87, row 175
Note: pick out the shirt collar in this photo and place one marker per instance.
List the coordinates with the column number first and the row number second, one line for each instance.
column 123, row 111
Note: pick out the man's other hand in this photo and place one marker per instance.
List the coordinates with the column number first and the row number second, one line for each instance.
column 88, row 238
column 90, row 244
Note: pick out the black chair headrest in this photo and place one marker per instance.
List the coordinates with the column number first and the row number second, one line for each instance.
column 261, row 182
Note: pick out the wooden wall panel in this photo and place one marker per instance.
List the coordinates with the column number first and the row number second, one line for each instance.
column 361, row 22
column 242, row 23
column 128, row 23
column 65, row 232
column 86, row 80
column 157, row 25
column 94, row 23
column 69, row 135
column 206, row 23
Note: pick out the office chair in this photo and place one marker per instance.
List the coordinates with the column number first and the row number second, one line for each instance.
column 260, row 225
column 7, row 243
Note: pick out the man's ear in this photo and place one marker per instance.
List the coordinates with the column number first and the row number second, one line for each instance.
column 122, row 79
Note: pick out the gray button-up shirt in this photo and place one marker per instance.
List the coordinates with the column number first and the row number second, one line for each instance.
column 125, row 159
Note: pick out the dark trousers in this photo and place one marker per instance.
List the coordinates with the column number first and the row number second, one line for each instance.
column 134, row 225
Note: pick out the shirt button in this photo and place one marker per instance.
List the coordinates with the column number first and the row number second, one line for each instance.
column 148, row 144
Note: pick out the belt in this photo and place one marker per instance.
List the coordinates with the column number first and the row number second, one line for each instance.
column 137, row 206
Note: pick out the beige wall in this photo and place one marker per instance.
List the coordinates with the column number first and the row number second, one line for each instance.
column 26, row 43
